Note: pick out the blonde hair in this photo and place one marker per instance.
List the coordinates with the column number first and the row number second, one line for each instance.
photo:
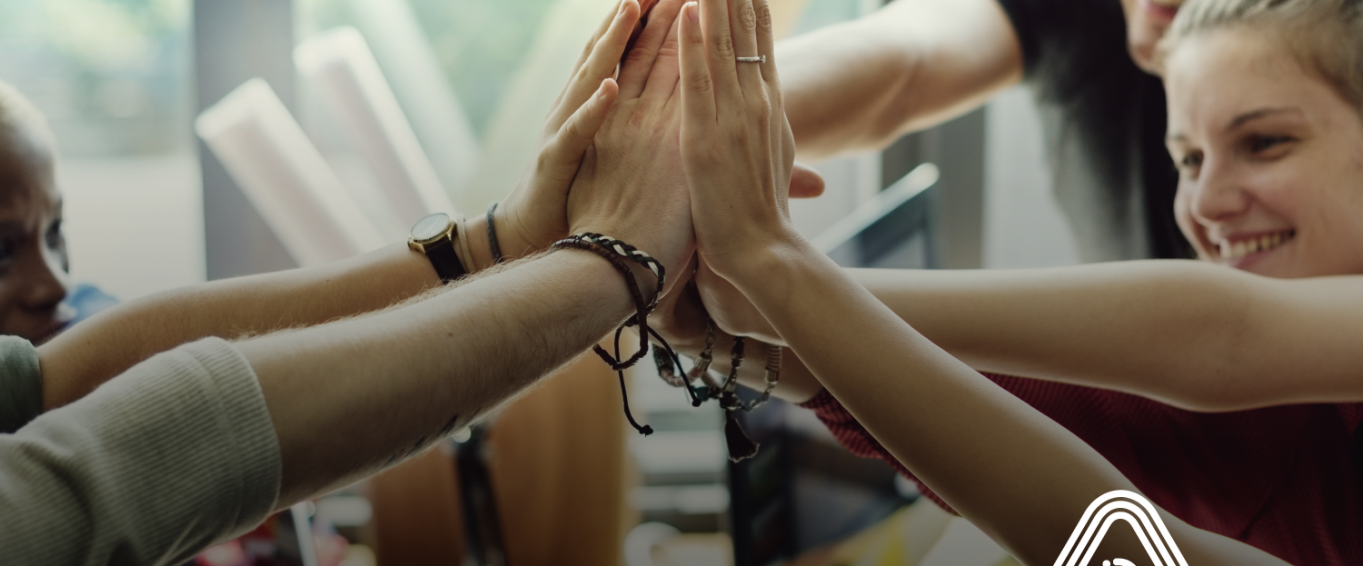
column 1325, row 36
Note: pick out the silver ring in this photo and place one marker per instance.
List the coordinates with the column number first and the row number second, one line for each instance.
column 758, row 59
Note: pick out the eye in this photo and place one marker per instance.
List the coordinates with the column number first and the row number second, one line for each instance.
column 7, row 247
column 54, row 238
column 1268, row 146
column 1190, row 161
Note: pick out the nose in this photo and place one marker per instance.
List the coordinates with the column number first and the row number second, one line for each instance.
column 1217, row 195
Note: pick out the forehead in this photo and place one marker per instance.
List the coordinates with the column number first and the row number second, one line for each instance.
column 1216, row 75
column 26, row 171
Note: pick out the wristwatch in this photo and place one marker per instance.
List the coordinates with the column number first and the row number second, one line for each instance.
column 433, row 235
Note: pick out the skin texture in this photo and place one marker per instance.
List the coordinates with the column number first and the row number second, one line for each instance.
column 949, row 424
column 1264, row 147
column 33, row 260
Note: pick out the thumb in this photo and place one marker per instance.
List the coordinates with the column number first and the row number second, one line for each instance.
column 805, row 182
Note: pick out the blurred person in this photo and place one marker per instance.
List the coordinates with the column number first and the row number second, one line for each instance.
column 914, row 64
column 1025, row 480
column 1230, row 397
column 37, row 298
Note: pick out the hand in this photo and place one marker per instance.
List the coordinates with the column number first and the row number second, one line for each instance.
column 631, row 185
column 533, row 216
column 737, row 147
column 680, row 317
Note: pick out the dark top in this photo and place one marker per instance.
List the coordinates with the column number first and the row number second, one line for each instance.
column 1104, row 122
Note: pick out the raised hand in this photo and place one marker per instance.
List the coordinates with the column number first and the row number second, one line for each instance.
column 631, row 185
column 533, row 215
column 737, row 147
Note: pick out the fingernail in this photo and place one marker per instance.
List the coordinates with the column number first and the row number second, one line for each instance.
column 693, row 12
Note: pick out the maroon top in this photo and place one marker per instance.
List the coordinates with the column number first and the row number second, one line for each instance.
column 1283, row 479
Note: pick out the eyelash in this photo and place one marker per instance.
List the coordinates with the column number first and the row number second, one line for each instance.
column 1262, row 143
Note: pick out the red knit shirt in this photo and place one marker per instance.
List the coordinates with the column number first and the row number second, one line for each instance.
column 1283, row 479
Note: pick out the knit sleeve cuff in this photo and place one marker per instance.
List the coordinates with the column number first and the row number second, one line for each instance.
column 21, row 384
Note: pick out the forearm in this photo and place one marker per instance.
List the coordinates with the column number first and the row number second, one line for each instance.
column 1018, row 475
column 1190, row 334
column 343, row 395
column 913, row 64
column 95, row 351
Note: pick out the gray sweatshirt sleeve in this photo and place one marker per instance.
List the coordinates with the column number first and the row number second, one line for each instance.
column 21, row 384
column 175, row 454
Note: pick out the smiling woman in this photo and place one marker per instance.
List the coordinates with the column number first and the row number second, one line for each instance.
column 1268, row 139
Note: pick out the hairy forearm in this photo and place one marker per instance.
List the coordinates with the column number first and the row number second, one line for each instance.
column 912, row 65
column 343, row 395
column 105, row 346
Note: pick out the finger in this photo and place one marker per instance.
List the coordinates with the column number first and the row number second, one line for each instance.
column 636, row 71
column 766, row 45
column 599, row 65
column 563, row 155
column 805, row 182
column 662, row 81
column 743, row 22
column 714, row 16
column 698, row 89
column 587, row 48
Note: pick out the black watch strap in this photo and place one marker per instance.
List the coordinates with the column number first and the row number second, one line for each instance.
column 445, row 261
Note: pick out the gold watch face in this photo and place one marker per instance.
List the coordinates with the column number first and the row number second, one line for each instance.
column 431, row 228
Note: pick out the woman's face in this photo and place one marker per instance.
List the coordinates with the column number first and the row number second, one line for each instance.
column 1270, row 158
column 33, row 263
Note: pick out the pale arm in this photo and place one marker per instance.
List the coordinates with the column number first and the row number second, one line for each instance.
column 911, row 65
column 1191, row 334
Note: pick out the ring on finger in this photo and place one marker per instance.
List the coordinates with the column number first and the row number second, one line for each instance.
column 757, row 59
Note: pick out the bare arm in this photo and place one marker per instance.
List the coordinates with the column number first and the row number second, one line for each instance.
column 532, row 217
column 1021, row 477
column 335, row 392
column 913, row 64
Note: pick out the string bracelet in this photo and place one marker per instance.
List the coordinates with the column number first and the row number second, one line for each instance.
column 640, row 318
column 492, row 234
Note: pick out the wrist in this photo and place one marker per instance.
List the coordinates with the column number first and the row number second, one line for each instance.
column 478, row 250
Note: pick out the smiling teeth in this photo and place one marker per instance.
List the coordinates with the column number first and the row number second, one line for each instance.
column 1263, row 243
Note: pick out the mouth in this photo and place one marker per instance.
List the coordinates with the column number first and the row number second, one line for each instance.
column 1236, row 248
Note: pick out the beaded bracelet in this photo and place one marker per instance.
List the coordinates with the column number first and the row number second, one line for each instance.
column 740, row 445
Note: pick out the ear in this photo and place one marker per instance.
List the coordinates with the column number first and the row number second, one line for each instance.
column 805, row 182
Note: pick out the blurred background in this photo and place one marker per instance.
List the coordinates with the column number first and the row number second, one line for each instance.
column 149, row 207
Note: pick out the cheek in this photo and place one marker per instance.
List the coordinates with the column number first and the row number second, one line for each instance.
column 1192, row 231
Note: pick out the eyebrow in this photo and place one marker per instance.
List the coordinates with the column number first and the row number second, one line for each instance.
column 1241, row 119
column 1253, row 115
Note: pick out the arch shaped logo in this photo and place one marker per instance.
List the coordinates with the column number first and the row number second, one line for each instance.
column 1120, row 505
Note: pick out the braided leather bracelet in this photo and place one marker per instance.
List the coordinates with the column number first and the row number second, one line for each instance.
column 640, row 317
